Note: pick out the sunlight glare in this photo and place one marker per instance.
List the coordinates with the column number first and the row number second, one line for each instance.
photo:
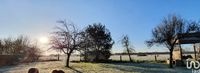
column 43, row 40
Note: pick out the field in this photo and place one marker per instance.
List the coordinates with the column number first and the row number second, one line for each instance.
column 148, row 57
column 47, row 67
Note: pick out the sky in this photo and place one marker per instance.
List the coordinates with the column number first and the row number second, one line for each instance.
column 135, row 18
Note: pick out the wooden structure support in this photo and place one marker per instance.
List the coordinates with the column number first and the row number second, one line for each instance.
column 188, row 38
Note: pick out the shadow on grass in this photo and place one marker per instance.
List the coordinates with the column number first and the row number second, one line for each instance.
column 145, row 67
column 141, row 67
column 77, row 71
column 7, row 68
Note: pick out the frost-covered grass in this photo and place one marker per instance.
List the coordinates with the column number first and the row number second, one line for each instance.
column 47, row 67
column 44, row 67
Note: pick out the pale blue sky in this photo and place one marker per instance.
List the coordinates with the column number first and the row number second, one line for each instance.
column 136, row 18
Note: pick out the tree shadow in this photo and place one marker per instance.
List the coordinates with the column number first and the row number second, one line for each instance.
column 77, row 71
column 7, row 68
column 144, row 68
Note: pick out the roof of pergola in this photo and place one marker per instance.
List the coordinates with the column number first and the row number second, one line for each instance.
column 188, row 38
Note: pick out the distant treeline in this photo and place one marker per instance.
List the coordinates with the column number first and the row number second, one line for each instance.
column 150, row 53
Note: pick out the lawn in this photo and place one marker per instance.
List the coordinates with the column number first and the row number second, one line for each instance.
column 47, row 67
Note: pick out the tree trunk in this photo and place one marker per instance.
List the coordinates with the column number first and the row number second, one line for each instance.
column 171, row 59
column 80, row 55
column 85, row 55
column 67, row 61
column 129, row 55
column 97, row 55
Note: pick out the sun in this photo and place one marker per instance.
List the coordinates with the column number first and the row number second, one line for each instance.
column 43, row 40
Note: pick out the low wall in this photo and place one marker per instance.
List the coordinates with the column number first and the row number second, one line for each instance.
column 8, row 59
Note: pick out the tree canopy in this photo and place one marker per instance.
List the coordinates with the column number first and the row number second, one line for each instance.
column 101, row 40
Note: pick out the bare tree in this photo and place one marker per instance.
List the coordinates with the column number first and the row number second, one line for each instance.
column 20, row 44
column 19, row 47
column 66, row 38
column 193, row 27
column 130, row 50
column 126, row 44
column 1, row 47
column 33, row 53
column 165, row 33
column 8, row 44
column 56, row 45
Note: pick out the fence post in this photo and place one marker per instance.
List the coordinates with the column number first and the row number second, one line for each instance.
column 121, row 58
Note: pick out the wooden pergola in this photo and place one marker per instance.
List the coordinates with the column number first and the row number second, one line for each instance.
column 188, row 38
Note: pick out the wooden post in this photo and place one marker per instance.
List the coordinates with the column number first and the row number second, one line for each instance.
column 58, row 57
column 80, row 57
column 181, row 52
column 195, row 56
column 121, row 58
column 155, row 57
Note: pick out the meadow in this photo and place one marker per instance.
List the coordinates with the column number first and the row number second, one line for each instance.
column 81, row 67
